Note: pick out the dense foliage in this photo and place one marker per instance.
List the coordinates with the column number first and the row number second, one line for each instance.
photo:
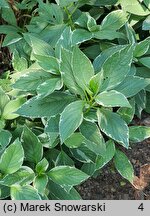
column 81, row 72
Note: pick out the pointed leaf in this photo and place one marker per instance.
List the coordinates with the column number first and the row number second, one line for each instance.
column 32, row 147
column 67, row 72
column 82, row 68
column 40, row 183
column 75, row 140
column 123, row 166
column 58, row 192
column 112, row 99
column 134, row 7
column 92, row 133
column 12, row 158
column 145, row 61
column 80, row 36
column 113, row 126
column 11, row 107
column 5, row 137
column 39, row 47
column 42, row 166
column 114, row 20
column 24, row 193
column 107, row 156
column 48, row 63
column 4, row 99
column 31, row 80
column 117, row 67
column 131, row 85
column 64, row 159
column 70, row 119
column 23, row 176
column 138, row 133
column 47, row 106
column 127, row 114
column 66, row 175
column 49, row 86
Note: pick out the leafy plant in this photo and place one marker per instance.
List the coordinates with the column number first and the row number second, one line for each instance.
column 80, row 75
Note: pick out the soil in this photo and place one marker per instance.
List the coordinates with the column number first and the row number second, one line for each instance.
column 109, row 185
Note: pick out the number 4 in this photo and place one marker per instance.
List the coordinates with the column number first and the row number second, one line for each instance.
column 141, row 207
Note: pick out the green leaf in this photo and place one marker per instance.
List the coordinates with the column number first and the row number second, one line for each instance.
column 49, row 86
column 39, row 47
column 48, row 63
column 5, row 137
column 9, row 16
column 145, row 73
column 145, row 61
column 4, row 192
column 23, row 176
column 146, row 24
column 52, row 33
column 102, row 2
column 31, row 80
column 42, row 166
column 138, row 133
column 12, row 38
column 123, row 166
column 24, row 193
column 4, row 99
column 107, row 156
column 142, row 47
column 112, row 99
column 67, row 72
column 134, row 7
column 147, row 3
column 114, row 20
column 131, row 85
column 8, row 29
column 66, row 175
column 127, row 114
column 64, row 42
column 58, row 193
column 19, row 63
column 113, row 126
column 80, row 36
column 82, row 68
column 64, row 3
column 117, row 67
column 92, row 133
column 63, row 159
column 108, row 35
column 141, row 102
column 11, row 107
column 146, row 104
column 40, row 183
column 50, row 13
column 75, row 140
column 12, row 158
column 92, row 51
column 83, row 153
column 52, row 129
column 32, row 147
column 89, row 168
column 104, row 55
column 70, row 119
column 47, row 106
column 95, row 83
column 4, row 4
